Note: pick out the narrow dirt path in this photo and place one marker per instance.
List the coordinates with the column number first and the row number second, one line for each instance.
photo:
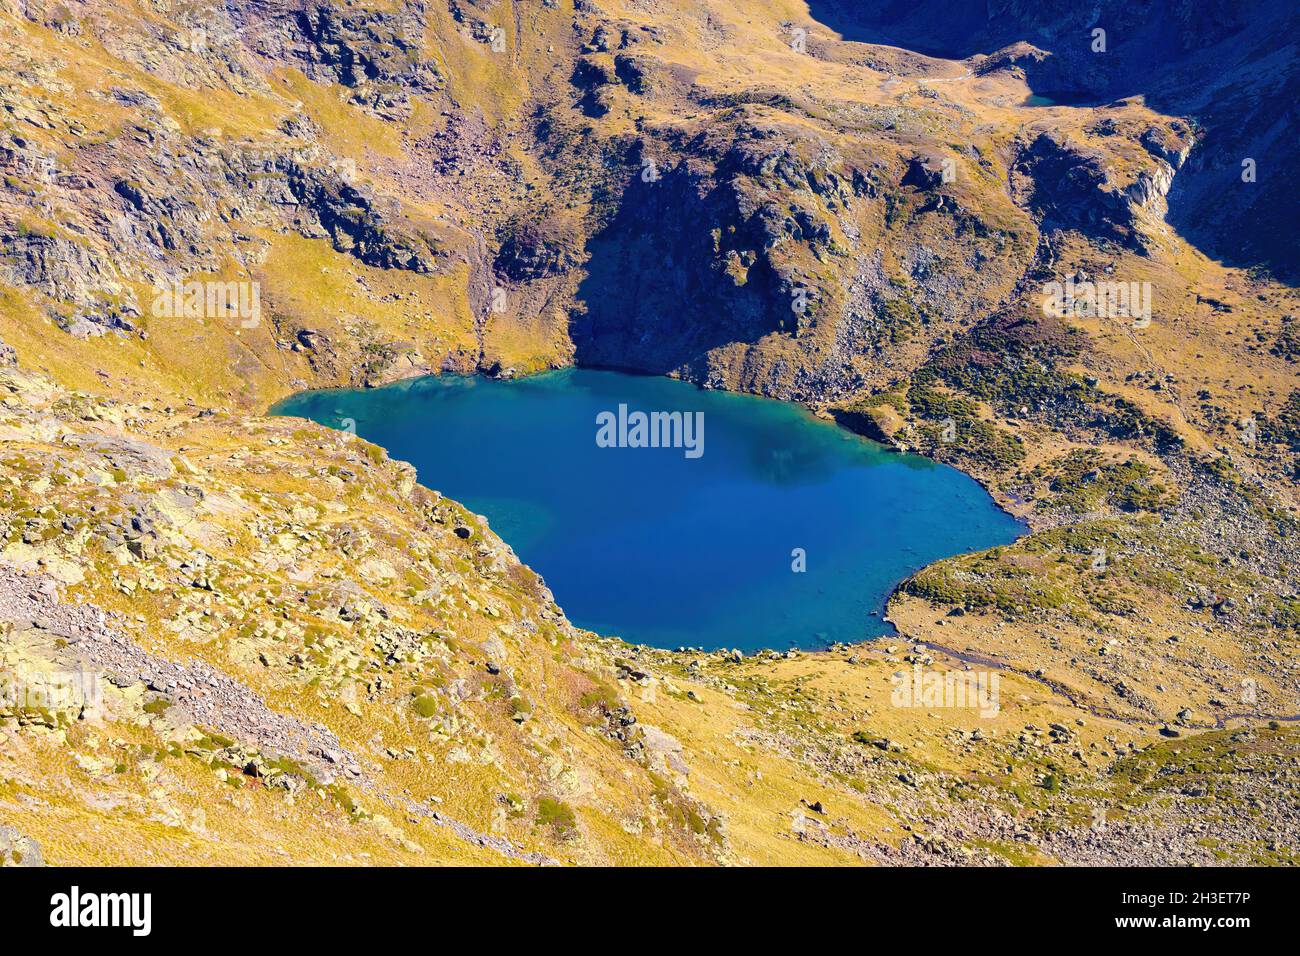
column 1061, row 690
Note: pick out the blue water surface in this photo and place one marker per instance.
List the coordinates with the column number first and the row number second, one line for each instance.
column 663, row 549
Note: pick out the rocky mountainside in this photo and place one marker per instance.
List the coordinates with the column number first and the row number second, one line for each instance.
column 308, row 657
column 1228, row 71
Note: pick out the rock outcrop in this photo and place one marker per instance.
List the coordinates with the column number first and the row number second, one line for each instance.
column 18, row 850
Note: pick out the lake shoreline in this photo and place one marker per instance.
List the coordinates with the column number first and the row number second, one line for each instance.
column 869, row 514
column 1012, row 505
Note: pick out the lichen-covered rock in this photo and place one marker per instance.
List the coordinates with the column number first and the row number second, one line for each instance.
column 18, row 850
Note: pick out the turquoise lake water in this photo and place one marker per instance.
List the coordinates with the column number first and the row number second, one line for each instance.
column 674, row 546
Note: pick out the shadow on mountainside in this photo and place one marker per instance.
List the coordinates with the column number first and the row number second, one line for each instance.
column 1230, row 68
column 655, row 296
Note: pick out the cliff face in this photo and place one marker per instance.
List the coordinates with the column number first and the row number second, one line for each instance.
column 771, row 258
column 856, row 206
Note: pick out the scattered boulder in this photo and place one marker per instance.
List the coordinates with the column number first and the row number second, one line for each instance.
column 17, row 849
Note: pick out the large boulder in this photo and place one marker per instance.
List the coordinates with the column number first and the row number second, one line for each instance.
column 18, row 850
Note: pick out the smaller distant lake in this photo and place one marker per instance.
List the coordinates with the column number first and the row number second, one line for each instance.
column 695, row 545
